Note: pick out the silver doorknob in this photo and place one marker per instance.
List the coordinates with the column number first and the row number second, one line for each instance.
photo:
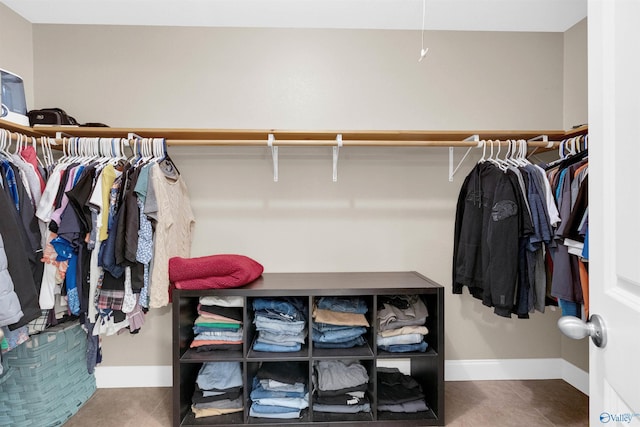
column 577, row 329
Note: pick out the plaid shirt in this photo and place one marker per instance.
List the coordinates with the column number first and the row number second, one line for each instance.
column 109, row 299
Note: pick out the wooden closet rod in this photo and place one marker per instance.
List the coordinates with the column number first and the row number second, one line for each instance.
column 345, row 143
column 250, row 137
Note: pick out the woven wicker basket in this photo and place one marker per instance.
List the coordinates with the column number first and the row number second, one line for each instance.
column 45, row 380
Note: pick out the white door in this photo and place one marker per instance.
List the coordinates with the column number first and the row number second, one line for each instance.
column 614, row 208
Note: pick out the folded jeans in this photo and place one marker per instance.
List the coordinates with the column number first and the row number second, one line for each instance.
column 274, row 348
column 295, row 413
column 291, row 308
column 272, row 409
column 324, row 327
column 283, row 343
column 219, row 375
column 279, row 327
column 339, row 335
column 270, row 336
column 403, row 348
column 343, row 304
column 285, row 402
column 275, row 385
column 357, row 341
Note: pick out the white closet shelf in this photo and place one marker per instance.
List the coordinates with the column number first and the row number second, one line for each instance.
column 259, row 137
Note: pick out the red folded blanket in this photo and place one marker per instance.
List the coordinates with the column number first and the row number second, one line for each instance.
column 213, row 271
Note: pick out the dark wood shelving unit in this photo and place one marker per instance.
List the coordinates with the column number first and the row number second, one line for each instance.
column 427, row 368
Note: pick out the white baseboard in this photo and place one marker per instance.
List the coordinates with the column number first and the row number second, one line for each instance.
column 455, row 370
column 502, row 369
column 133, row 376
column 516, row 369
column 575, row 376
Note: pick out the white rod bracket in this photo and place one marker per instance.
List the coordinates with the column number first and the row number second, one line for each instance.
column 60, row 135
column 452, row 171
column 137, row 140
column 274, row 156
column 336, row 153
column 543, row 138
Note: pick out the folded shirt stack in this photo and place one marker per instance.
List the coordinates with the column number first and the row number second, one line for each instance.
column 339, row 322
column 218, row 389
column 281, row 324
column 401, row 320
column 341, row 387
column 219, row 324
column 279, row 390
column 399, row 393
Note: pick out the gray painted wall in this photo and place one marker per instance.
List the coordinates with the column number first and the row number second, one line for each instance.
column 16, row 48
column 392, row 209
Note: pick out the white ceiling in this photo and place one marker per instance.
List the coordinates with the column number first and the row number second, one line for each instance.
column 464, row 15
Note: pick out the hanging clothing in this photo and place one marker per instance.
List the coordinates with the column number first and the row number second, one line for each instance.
column 10, row 310
column 491, row 218
column 520, row 235
column 19, row 260
column 569, row 281
column 86, row 237
column 167, row 204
